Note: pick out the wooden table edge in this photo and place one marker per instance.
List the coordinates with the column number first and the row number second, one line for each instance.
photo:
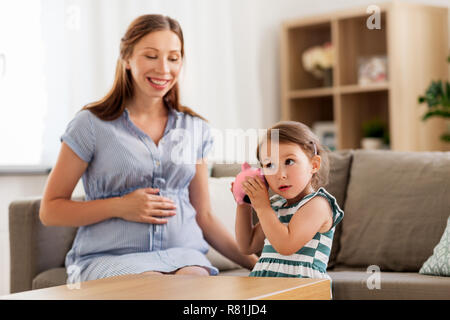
column 317, row 292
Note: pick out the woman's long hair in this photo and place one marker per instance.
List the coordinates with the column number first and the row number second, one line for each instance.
column 112, row 105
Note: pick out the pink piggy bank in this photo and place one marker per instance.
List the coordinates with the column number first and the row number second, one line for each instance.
column 246, row 171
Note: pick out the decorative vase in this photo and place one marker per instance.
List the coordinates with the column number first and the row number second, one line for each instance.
column 371, row 143
column 328, row 77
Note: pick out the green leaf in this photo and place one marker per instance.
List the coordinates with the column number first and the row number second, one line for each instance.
column 437, row 98
column 374, row 128
column 436, row 113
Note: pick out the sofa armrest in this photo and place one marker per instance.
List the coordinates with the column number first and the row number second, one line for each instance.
column 34, row 247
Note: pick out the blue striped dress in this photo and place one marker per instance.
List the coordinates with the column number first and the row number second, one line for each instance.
column 122, row 158
column 310, row 261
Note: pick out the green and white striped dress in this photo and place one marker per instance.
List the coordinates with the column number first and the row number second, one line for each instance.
column 310, row 261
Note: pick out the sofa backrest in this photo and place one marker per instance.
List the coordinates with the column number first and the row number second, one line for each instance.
column 34, row 247
column 340, row 164
column 396, row 209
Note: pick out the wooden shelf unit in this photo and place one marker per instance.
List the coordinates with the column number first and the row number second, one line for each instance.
column 413, row 37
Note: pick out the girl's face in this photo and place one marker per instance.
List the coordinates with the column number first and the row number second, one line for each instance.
column 155, row 63
column 288, row 170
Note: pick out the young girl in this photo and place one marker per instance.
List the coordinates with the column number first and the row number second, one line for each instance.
column 296, row 225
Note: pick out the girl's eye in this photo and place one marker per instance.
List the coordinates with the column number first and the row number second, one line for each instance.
column 173, row 59
column 269, row 168
column 289, row 161
column 151, row 57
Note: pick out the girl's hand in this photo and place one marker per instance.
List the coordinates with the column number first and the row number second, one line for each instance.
column 245, row 205
column 257, row 192
column 145, row 206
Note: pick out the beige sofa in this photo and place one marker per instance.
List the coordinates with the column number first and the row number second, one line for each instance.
column 396, row 205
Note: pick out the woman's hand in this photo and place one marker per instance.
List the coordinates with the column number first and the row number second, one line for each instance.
column 257, row 192
column 145, row 206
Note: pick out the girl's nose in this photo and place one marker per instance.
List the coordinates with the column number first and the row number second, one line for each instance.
column 282, row 173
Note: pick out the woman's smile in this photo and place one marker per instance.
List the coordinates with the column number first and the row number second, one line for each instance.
column 159, row 84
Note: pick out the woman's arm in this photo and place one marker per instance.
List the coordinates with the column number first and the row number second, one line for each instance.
column 57, row 208
column 214, row 231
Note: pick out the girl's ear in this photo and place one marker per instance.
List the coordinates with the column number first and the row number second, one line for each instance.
column 315, row 162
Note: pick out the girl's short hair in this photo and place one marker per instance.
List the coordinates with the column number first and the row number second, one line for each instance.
column 300, row 134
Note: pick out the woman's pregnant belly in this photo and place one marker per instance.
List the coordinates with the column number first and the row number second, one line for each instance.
column 113, row 236
column 117, row 236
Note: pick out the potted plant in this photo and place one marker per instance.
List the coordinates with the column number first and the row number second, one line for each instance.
column 374, row 134
column 437, row 98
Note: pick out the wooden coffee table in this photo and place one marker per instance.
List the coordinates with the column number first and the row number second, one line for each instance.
column 183, row 287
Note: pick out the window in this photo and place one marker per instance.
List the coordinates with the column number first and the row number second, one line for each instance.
column 23, row 96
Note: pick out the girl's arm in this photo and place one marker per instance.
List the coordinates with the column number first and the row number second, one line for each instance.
column 250, row 238
column 315, row 216
column 214, row 231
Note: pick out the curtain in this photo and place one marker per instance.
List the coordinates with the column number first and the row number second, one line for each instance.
column 75, row 49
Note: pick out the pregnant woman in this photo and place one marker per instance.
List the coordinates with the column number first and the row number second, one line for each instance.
column 142, row 160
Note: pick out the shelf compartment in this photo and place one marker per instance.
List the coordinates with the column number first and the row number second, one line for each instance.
column 298, row 40
column 355, row 109
column 312, row 110
column 411, row 65
column 357, row 41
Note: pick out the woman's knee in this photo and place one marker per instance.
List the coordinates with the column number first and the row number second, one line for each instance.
column 193, row 270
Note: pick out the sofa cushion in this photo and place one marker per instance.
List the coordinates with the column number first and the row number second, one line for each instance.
column 50, row 278
column 225, row 169
column 439, row 263
column 396, row 208
column 34, row 247
column 352, row 285
column 340, row 162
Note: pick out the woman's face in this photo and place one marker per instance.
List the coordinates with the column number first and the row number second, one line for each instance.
column 155, row 63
